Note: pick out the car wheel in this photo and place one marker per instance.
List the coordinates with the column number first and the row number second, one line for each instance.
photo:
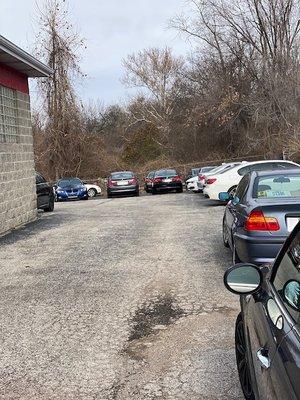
column 92, row 192
column 225, row 234
column 50, row 208
column 232, row 191
column 137, row 193
column 154, row 191
column 179, row 190
column 241, row 359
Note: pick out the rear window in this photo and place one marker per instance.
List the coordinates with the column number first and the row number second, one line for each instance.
column 195, row 171
column 166, row 172
column 121, row 175
column 278, row 186
column 206, row 169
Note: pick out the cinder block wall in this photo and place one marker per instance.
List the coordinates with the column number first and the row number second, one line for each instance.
column 17, row 177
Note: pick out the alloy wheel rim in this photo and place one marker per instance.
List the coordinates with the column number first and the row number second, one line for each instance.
column 91, row 193
column 242, row 362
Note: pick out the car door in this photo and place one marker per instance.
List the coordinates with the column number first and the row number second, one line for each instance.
column 273, row 338
column 235, row 208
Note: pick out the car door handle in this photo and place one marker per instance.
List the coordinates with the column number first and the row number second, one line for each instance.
column 263, row 358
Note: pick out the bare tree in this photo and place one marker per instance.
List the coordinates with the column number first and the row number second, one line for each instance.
column 59, row 45
column 157, row 72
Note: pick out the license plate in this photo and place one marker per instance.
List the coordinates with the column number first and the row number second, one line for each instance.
column 291, row 222
column 122, row 183
column 167, row 180
column 72, row 196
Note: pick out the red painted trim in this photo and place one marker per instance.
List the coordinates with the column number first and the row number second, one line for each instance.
column 13, row 79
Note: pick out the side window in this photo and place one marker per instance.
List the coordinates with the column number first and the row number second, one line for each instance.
column 242, row 187
column 243, row 171
column 284, row 165
column 287, row 279
column 262, row 167
column 39, row 178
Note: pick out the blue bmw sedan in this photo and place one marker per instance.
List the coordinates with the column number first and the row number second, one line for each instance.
column 261, row 214
column 71, row 188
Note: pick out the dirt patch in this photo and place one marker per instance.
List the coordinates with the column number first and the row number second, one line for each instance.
column 152, row 316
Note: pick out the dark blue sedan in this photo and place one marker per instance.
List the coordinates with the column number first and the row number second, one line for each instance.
column 267, row 331
column 71, row 188
column 258, row 219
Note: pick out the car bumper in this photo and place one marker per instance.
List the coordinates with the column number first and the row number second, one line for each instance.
column 69, row 196
column 167, row 186
column 257, row 250
column 210, row 193
column 192, row 186
column 123, row 189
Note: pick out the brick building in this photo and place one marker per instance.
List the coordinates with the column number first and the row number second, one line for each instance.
column 17, row 178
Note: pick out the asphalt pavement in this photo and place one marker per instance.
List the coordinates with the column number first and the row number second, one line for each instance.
column 112, row 299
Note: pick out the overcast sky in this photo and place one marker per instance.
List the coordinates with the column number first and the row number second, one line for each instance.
column 112, row 29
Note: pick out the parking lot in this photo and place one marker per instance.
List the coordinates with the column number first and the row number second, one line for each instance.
column 121, row 298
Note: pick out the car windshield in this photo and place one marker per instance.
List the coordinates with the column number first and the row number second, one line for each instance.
column 285, row 185
column 69, row 182
column 166, row 172
column 121, row 175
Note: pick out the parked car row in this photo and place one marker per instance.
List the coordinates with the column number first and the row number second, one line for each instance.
column 261, row 227
column 64, row 189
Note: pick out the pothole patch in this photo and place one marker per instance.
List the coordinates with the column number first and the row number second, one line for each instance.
column 155, row 315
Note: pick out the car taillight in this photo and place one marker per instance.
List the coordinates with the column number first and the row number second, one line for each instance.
column 157, row 180
column 201, row 176
column 209, row 181
column 176, row 179
column 257, row 221
column 111, row 183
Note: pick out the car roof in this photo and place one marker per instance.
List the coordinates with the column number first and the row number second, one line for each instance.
column 121, row 172
column 68, row 178
column 276, row 172
column 266, row 161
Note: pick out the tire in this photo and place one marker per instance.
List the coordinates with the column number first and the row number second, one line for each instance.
column 92, row 192
column 232, row 190
column 137, row 193
column 109, row 196
column 86, row 198
column 179, row 190
column 241, row 359
column 154, row 191
column 225, row 234
column 50, row 208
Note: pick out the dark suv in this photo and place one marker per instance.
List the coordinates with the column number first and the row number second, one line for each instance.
column 44, row 193
column 267, row 333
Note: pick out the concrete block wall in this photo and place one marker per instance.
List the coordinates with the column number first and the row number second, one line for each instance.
column 17, row 174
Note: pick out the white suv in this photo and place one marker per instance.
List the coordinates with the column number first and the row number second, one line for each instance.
column 228, row 180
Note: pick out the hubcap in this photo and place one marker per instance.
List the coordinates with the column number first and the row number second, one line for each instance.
column 91, row 193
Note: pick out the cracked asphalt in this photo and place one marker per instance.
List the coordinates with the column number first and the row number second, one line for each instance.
column 114, row 299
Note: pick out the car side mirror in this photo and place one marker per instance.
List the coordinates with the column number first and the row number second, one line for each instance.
column 291, row 293
column 224, row 196
column 243, row 279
